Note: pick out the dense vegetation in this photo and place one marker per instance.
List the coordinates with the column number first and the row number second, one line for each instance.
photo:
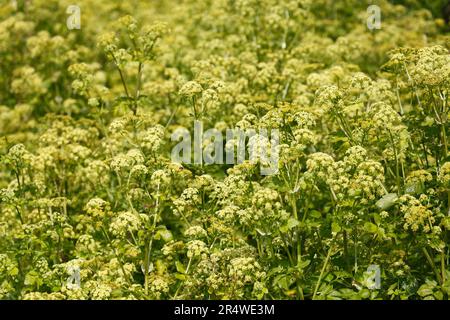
column 93, row 207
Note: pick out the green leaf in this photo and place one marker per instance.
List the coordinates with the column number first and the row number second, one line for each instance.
column 180, row 267
column 315, row 214
column 335, row 227
column 303, row 264
column 292, row 223
column 14, row 272
column 180, row 276
column 31, row 278
column 164, row 234
column 370, row 227
column 377, row 218
column 364, row 293
column 117, row 293
column 161, row 266
column 446, row 287
column 427, row 288
column 438, row 295
column 428, row 122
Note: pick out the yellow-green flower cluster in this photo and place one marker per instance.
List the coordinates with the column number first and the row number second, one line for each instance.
column 93, row 206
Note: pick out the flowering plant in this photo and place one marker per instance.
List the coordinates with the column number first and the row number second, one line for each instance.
column 94, row 206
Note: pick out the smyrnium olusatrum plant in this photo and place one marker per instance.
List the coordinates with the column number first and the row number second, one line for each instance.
column 92, row 206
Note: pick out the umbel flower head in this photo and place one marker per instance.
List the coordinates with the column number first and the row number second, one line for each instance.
column 444, row 175
column 191, row 89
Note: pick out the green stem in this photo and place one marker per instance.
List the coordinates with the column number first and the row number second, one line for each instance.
column 444, row 141
column 448, row 202
column 148, row 251
column 346, row 256
column 325, row 264
column 194, row 108
column 138, row 88
column 122, row 78
column 300, row 290
column 397, row 168
column 294, row 207
column 433, row 266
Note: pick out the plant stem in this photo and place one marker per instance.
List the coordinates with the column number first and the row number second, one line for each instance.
column 346, row 257
column 433, row 266
column 444, row 141
column 397, row 168
column 322, row 271
column 448, row 202
column 122, row 78
column 138, row 88
column 443, row 266
column 294, row 207
column 148, row 250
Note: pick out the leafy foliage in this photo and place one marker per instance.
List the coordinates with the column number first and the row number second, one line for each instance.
column 92, row 207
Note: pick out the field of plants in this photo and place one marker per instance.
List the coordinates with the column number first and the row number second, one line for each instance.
column 93, row 204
